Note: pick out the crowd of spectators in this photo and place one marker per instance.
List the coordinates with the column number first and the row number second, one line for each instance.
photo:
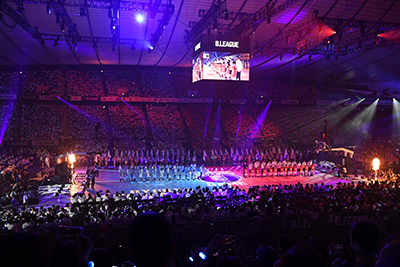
column 295, row 124
column 129, row 145
column 166, row 144
column 84, row 83
column 13, row 180
column 8, row 82
column 128, row 122
column 269, row 123
column 228, row 91
column 266, row 88
column 165, row 121
column 51, row 79
column 165, row 83
column 40, row 121
column 196, row 118
column 183, row 83
column 223, row 202
column 87, row 131
column 334, row 92
column 109, row 213
column 200, row 145
column 156, row 83
column 87, row 122
column 238, row 123
column 224, row 125
column 122, row 80
column 299, row 91
column 7, row 120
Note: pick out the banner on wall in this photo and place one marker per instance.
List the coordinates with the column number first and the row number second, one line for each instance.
column 76, row 98
column 45, row 143
column 326, row 102
column 290, row 102
column 238, row 101
column 29, row 96
column 92, row 98
column 48, row 97
column 8, row 96
column 15, row 143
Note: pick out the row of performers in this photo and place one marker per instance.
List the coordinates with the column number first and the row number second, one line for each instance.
column 104, row 161
column 158, row 173
column 278, row 168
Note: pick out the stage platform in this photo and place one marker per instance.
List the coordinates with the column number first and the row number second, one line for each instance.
column 216, row 176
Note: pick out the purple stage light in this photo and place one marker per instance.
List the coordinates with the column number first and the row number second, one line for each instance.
column 80, row 111
column 259, row 121
column 240, row 120
column 134, row 111
column 217, row 132
column 5, row 120
column 207, row 120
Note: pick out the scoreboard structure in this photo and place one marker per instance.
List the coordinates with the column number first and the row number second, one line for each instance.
column 221, row 58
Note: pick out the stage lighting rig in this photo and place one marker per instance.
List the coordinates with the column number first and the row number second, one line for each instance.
column 20, row 20
column 48, row 8
column 154, row 8
column 267, row 12
column 226, row 14
column 20, row 8
column 82, row 12
column 162, row 25
column 208, row 19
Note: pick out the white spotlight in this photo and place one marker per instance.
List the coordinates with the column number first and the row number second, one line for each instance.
column 139, row 18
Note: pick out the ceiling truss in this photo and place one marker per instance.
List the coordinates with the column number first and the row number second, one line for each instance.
column 69, row 29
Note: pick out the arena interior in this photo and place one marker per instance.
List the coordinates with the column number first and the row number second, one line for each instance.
column 126, row 140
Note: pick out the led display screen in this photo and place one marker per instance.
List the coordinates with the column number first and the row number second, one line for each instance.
column 221, row 58
column 224, row 66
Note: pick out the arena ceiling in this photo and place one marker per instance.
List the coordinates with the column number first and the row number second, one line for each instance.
column 291, row 39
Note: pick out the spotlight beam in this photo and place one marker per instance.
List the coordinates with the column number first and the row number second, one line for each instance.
column 5, row 120
column 334, row 116
column 360, row 125
column 396, row 116
column 240, row 120
column 260, row 121
column 80, row 111
column 134, row 111
column 207, row 120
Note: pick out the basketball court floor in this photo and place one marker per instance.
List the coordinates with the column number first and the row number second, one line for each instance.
column 109, row 179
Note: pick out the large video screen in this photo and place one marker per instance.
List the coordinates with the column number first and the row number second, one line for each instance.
column 223, row 66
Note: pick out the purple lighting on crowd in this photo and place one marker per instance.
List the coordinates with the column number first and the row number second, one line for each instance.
column 207, row 120
column 5, row 120
column 80, row 111
column 240, row 120
column 134, row 111
column 260, row 120
column 217, row 132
